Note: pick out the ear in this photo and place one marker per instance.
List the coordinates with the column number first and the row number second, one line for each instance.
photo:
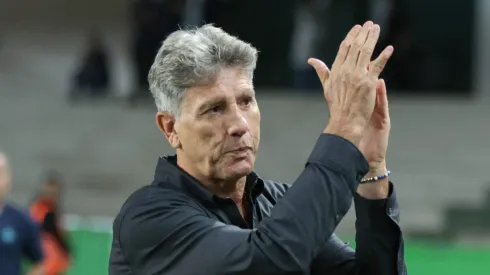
column 166, row 123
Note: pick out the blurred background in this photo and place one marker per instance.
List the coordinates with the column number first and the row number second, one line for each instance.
column 75, row 108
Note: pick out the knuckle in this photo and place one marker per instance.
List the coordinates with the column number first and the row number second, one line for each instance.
column 345, row 70
column 345, row 73
column 363, row 83
column 378, row 66
column 358, row 44
column 345, row 45
column 368, row 49
column 358, row 76
column 356, row 79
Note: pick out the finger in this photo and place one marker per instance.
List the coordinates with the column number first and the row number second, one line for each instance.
column 351, row 59
column 344, row 47
column 381, row 96
column 379, row 64
column 368, row 48
column 321, row 69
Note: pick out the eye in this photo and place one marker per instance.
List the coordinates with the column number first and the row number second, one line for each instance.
column 246, row 101
column 216, row 109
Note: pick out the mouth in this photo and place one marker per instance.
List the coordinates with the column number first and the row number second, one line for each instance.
column 240, row 150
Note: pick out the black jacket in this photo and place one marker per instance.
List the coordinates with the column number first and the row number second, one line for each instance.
column 177, row 227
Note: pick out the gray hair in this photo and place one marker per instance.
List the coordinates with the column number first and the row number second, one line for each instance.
column 195, row 57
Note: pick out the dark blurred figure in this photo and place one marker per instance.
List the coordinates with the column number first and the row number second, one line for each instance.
column 46, row 211
column 336, row 19
column 399, row 72
column 219, row 12
column 92, row 78
column 152, row 21
column 268, row 25
column 304, row 38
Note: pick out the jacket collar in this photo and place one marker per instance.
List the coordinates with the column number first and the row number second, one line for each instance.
column 167, row 172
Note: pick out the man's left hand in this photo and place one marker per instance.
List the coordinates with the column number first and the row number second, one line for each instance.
column 374, row 144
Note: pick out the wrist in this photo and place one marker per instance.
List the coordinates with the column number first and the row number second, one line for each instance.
column 351, row 132
column 376, row 169
column 378, row 189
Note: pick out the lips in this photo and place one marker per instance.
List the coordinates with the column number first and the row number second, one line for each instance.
column 240, row 150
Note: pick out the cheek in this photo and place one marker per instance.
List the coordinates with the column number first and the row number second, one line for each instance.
column 254, row 122
column 202, row 136
column 207, row 137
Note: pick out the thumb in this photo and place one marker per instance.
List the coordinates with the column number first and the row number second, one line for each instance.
column 321, row 69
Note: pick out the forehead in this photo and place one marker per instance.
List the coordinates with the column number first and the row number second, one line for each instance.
column 230, row 82
column 234, row 77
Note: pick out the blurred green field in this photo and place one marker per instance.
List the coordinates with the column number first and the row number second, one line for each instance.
column 92, row 253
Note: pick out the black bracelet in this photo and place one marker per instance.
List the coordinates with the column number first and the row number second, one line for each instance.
column 376, row 178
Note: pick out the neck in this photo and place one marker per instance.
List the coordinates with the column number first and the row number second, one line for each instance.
column 232, row 188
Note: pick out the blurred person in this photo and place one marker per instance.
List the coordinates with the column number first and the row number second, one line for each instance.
column 304, row 37
column 220, row 12
column 92, row 78
column 337, row 16
column 45, row 210
column 19, row 235
column 152, row 21
column 400, row 35
column 208, row 212
column 193, row 13
column 198, row 12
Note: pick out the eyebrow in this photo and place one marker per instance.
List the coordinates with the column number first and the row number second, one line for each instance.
column 247, row 91
column 222, row 100
column 211, row 103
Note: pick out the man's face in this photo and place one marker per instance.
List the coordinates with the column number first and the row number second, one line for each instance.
column 219, row 127
column 4, row 177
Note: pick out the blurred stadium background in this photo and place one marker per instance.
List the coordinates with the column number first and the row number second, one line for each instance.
column 105, row 144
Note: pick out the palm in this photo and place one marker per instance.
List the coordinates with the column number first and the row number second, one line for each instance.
column 374, row 142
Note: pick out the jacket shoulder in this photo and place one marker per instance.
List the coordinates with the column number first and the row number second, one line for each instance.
column 275, row 189
column 151, row 196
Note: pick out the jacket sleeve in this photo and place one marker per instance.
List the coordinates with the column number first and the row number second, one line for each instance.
column 379, row 243
column 167, row 234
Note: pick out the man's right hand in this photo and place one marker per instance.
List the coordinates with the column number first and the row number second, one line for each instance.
column 350, row 88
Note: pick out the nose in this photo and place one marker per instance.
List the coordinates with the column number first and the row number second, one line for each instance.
column 238, row 124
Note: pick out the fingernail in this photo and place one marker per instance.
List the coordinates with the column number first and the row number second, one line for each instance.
column 368, row 23
column 376, row 27
column 389, row 50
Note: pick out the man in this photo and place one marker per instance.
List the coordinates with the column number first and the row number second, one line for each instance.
column 19, row 235
column 208, row 212
column 45, row 210
column 92, row 78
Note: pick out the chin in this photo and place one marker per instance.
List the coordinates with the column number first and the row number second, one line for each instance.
column 239, row 168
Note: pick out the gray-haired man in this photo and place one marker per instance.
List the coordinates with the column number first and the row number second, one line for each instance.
column 208, row 212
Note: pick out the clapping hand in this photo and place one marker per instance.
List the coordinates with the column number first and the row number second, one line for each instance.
column 357, row 99
column 350, row 88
